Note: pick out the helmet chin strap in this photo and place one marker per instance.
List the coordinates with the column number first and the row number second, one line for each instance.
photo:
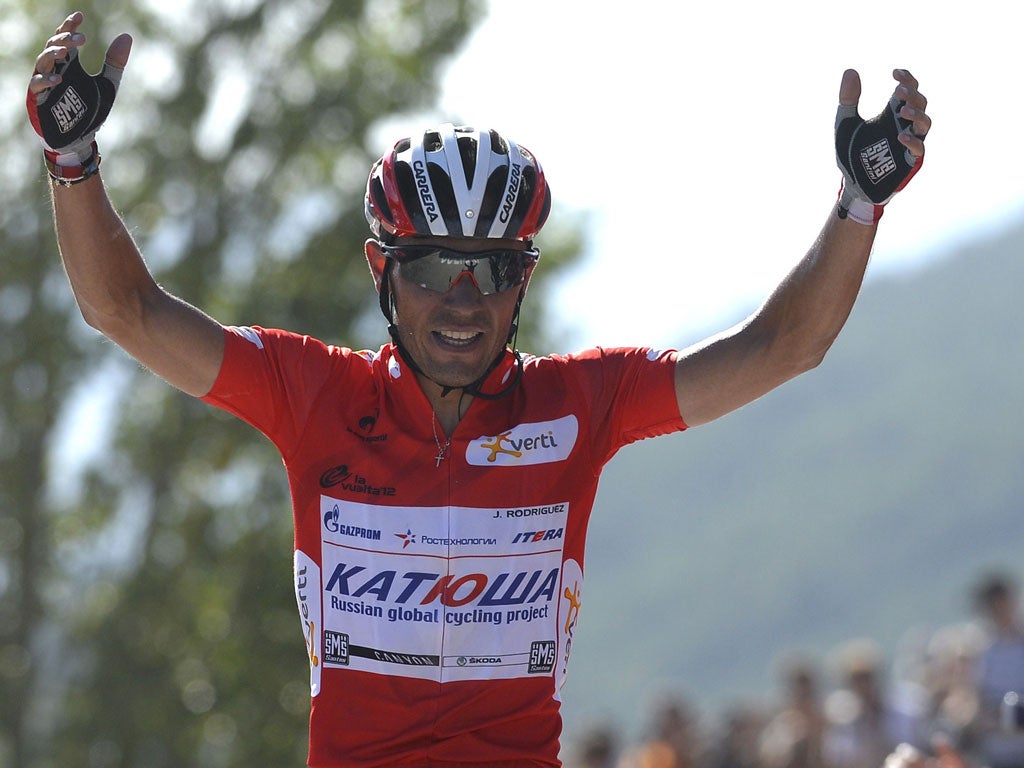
column 387, row 306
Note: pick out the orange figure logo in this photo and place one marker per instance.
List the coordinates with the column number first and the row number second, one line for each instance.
column 574, row 606
column 496, row 447
column 309, row 644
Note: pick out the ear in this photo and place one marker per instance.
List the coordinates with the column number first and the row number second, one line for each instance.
column 377, row 261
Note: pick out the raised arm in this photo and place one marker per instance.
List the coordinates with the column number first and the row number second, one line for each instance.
column 791, row 332
column 114, row 289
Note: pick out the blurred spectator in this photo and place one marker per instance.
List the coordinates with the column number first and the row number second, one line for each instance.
column 952, row 657
column 674, row 741
column 737, row 746
column 945, row 756
column 597, row 748
column 794, row 737
column 864, row 723
column 1000, row 671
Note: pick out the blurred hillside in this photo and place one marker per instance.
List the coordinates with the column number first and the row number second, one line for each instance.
column 863, row 499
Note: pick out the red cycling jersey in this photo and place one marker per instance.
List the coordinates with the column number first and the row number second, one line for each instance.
column 439, row 584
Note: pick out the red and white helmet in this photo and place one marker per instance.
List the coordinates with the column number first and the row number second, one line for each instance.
column 457, row 182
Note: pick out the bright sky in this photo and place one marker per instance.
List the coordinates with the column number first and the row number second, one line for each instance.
column 700, row 134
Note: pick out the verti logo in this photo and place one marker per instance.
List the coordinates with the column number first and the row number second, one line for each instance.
column 308, row 600
column 543, row 442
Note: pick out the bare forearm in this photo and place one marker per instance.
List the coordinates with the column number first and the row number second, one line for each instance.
column 104, row 266
column 119, row 297
column 787, row 336
column 805, row 314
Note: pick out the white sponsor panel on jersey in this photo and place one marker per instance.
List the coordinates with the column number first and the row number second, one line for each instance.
column 570, row 601
column 307, row 597
column 541, row 442
column 440, row 593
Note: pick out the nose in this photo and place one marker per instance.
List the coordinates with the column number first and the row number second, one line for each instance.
column 464, row 290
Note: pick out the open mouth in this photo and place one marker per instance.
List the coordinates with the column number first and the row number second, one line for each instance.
column 457, row 338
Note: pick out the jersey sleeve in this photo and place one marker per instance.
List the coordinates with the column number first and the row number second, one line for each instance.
column 270, row 379
column 631, row 393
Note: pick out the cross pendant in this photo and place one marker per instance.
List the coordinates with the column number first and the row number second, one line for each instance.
column 440, row 456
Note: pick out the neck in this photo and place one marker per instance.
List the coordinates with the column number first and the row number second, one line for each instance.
column 448, row 408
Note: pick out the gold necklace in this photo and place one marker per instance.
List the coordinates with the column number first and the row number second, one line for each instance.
column 442, row 448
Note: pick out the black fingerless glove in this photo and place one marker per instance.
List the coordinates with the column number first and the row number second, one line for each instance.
column 67, row 116
column 875, row 165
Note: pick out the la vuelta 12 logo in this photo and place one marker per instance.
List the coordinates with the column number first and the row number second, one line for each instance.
column 542, row 442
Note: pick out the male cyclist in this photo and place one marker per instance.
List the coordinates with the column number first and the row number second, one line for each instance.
column 442, row 484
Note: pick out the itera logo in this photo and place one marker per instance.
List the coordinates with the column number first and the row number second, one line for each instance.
column 539, row 443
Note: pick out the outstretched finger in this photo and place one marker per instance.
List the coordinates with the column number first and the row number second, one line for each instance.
column 71, row 23
column 914, row 144
column 44, row 77
column 921, row 123
column 119, row 50
column 40, row 83
column 67, row 36
column 66, row 39
column 849, row 88
column 46, row 60
column 905, row 78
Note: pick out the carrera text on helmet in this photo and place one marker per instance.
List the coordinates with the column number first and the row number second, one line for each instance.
column 419, row 169
column 516, row 176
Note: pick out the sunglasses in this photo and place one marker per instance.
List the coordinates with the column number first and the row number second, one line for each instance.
column 437, row 268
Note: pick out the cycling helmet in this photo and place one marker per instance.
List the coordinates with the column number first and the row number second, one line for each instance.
column 457, row 182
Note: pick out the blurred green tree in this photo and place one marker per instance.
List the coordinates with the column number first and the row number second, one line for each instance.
column 146, row 611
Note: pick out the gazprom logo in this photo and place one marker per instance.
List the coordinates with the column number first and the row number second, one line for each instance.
column 525, row 444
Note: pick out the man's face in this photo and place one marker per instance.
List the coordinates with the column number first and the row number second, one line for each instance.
column 454, row 336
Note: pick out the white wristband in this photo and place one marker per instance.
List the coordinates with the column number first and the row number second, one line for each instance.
column 862, row 211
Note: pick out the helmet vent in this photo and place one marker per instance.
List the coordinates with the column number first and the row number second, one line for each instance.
column 431, row 141
column 467, row 149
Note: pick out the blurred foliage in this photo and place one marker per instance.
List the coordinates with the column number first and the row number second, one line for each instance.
column 146, row 611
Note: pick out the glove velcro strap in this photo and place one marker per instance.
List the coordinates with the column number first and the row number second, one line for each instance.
column 857, row 208
column 72, row 174
column 861, row 211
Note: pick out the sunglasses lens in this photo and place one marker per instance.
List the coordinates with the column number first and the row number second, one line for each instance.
column 439, row 268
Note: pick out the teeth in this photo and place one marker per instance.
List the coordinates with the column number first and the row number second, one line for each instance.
column 457, row 335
